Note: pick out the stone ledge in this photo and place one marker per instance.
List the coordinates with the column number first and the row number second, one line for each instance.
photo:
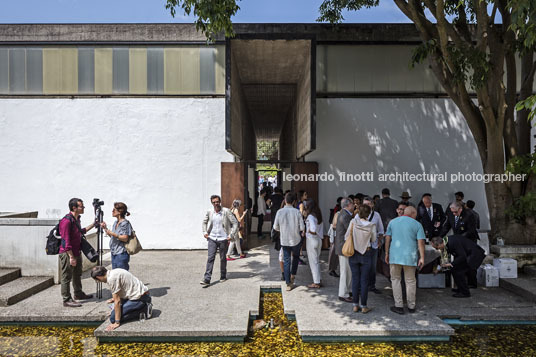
column 29, row 221
column 513, row 249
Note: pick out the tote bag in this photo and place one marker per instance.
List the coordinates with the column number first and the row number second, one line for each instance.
column 348, row 247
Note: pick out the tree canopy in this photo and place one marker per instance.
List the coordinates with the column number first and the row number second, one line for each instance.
column 474, row 47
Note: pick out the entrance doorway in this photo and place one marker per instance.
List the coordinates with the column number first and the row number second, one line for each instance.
column 270, row 117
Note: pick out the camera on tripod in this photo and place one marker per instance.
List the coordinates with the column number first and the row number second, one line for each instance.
column 97, row 203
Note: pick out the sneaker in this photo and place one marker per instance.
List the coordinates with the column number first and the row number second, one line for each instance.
column 205, row 282
column 223, row 279
column 356, row 309
column 229, row 259
column 290, row 287
column 398, row 310
column 149, row 310
column 71, row 303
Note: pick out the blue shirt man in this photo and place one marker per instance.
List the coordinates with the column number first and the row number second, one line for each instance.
column 403, row 237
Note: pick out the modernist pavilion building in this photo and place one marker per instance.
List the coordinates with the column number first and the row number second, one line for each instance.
column 149, row 114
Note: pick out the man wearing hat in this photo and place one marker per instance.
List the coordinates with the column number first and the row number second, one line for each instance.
column 405, row 199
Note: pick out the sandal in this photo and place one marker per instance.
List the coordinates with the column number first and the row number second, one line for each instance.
column 314, row 286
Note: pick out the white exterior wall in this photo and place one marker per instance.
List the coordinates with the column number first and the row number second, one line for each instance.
column 161, row 156
column 396, row 135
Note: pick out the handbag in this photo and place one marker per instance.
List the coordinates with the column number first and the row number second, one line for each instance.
column 133, row 245
column 348, row 247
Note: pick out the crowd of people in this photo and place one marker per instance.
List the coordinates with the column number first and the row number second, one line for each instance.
column 389, row 237
column 386, row 236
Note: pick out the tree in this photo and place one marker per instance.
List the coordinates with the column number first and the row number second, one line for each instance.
column 471, row 45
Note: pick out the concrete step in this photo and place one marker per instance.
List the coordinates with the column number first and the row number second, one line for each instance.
column 524, row 286
column 21, row 288
column 9, row 274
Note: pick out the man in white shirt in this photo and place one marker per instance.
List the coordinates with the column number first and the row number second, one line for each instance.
column 130, row 296
column 261, row 212
column 376, row 219
column 289, row 223
column 219, row 225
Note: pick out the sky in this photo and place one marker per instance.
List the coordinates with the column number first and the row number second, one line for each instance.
column 154, row 11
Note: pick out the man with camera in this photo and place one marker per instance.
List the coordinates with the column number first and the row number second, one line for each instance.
column 70, row 257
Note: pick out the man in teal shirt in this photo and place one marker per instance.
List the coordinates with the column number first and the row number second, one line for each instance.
column 404, row 235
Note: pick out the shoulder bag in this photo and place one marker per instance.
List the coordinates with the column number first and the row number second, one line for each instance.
column 133, row 245
column 348, row 247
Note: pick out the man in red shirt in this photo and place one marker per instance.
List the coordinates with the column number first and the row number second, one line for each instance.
column 70, row 257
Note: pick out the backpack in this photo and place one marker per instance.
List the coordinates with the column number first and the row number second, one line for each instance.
column 54, row 243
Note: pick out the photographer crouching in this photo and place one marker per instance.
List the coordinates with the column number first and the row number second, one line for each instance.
column 69, row 254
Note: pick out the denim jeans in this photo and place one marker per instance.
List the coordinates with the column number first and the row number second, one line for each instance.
column 287, row 252
column 131, row 309
column 120, row 261
column 360, row 265
column 372, row 276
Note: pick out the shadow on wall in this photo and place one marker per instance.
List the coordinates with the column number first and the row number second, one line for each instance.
column 389, row 136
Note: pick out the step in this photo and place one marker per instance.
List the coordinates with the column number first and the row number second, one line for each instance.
column 21, row 288
column 524, row 286
column 9, row 274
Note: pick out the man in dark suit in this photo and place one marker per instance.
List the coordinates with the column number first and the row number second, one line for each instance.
column 462, row 222
column 431, row 216
column 340, row 231
column 276, row 201
column 387, row 207
column 467, row 256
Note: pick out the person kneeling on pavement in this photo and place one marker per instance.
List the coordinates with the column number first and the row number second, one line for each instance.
column 467, row 256
column 129, row 294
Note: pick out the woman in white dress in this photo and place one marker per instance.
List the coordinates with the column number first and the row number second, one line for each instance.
column 314, row 234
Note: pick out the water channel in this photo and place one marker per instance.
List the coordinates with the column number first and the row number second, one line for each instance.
column 282, row 339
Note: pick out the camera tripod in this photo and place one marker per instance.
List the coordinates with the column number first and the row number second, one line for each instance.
column 99, row 218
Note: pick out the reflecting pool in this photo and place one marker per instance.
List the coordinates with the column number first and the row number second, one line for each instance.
column 282, row 339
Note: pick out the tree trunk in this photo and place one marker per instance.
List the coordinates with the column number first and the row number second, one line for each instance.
column 500, row 196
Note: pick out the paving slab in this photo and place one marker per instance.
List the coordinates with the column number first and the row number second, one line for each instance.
column 524, row 286
column 186, row 311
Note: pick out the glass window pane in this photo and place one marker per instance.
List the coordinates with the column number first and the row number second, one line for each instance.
column 86, row 70
column 120, row 70
column 155, row 70
column 207, row 61
column 34, row 70
column 4, row 71
column 17, row 70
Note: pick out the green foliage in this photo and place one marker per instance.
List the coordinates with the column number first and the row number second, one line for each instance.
column 524, row 22
column 522, row 164
column 331, row 10
column 528, row 104
column 525, row 205
column 212, row 16
column 421, row 52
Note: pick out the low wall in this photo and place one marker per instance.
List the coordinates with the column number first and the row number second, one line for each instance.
column 22, row 245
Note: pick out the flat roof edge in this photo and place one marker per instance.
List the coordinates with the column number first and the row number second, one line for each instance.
column 186, row 32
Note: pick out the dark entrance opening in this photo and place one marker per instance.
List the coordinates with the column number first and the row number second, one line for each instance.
column 270, row 116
